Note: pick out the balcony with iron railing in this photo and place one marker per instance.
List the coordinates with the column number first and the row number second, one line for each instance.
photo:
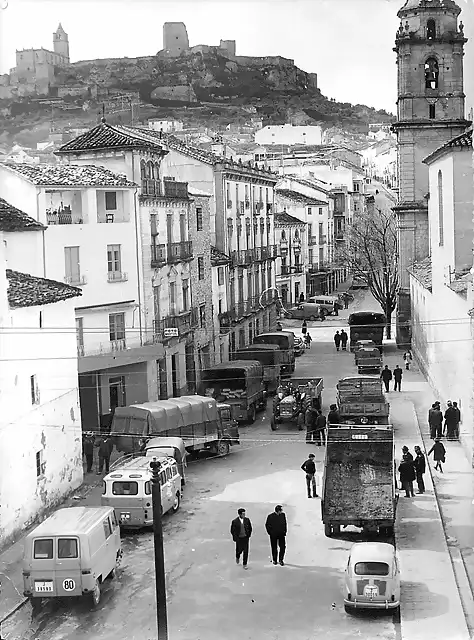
column 158, row 255
column 75, row 280
column 184, row 322
column 117, row 276
column 241, row 258
column 298, row 268
column 265, row 253
column 179, row 251
column 64, row 215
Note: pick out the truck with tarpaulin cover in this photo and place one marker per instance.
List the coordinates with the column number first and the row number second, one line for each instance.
column 359, row 483
column 361, row 400
column 286, row 341
column 366, row 325
column 238, row 384
column 269, row 355
column 200, row 421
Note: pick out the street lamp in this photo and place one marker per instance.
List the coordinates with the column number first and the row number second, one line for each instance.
column 160, row 578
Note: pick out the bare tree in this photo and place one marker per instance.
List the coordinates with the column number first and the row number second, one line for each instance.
column 371, row 254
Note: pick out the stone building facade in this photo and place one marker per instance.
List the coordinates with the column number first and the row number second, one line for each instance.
column 429, row 45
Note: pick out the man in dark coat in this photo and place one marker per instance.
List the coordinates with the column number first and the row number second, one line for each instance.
column 420, row 468
column 439, row 454
column 309, row 468
column 88, row 449
column 105, row 451
column 406, row 452
column 309, row 420
column 344, row 339
column 435, row 420
column 407, row 475
column 386, row 376
column 397, row 377
column 337, row 340
column 458, row 420
column 333, row 415
column 276, row 528
column 450, row 421
column 304, row 327
column 241, row 530
column 320, row 428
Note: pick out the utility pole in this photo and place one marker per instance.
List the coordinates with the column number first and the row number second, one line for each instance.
column 160, row 578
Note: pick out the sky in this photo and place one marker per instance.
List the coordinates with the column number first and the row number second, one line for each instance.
column 348, row 43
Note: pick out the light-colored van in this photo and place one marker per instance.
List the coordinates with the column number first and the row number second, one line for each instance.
column 71, row 553
column 330, row 304
column 128, row 490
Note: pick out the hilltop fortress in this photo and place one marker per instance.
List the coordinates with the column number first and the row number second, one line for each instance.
column 50, row 73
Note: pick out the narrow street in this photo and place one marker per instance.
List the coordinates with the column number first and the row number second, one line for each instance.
column 208, row 595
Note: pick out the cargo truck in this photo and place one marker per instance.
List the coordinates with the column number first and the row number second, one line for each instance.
column 359, row 485
column 361, row 400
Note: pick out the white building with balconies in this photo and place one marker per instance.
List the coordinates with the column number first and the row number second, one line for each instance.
column 92, row 240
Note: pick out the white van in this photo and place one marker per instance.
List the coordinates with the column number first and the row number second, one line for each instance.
column 127, row 490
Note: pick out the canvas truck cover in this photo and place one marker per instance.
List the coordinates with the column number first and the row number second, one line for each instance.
column 232, row 380
column 359, row 388
column 284, row 339
column 155, row 418
column 267, row 354
column 359, row 474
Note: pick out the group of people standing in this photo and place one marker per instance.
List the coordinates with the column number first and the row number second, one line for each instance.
column 340, row 340
column 412, row 469
column 315, row 422
column 451, row 417
column 105, row 447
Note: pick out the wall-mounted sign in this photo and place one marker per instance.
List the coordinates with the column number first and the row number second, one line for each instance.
column 170, row 333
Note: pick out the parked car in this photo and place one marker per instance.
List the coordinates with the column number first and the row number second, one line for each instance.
column 306, row 311
column 372, row 577
column 330, row 304
column 299, row 346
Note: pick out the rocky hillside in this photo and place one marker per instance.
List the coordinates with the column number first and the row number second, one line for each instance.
column 197, row 87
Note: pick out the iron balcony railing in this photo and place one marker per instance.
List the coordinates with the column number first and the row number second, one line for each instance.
column 242, row 257
column 158, row 255
column 184, row 322
column 179, row 251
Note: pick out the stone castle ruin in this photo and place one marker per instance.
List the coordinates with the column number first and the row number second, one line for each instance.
column 176, row 42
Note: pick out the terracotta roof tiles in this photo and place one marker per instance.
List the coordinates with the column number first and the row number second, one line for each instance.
column 285, row 219
column 421, row 271
column 299, row 197
column 25, row 290
column 108, row 136
column 12, row 219
column 69, row 175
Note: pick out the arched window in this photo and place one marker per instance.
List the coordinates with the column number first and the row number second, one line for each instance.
column 143, row 177
column 283, row 235
column 431, row 29
column 440, row 209
column 431, row 73
column 297, row 235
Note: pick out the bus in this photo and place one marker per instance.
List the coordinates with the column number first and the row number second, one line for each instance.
column 366, row 325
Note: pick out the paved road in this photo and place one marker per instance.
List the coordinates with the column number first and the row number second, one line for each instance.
column 209, row 597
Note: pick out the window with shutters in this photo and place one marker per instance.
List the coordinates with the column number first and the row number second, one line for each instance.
column 172, row 298
column 202, row 316
column 199, row 218
column 111, row 200
column 220, row 276
column 201, row 268
column 72, row 265
column 185, row 295
column 114, row 259
column 116, row 326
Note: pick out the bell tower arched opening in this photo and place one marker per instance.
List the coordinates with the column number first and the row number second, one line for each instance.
column 431, row 30
column 431, row 74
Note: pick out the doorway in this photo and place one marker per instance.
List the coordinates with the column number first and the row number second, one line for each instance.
column 162, row 380
column 117, row 393
column 190, row 370
column 175, row 375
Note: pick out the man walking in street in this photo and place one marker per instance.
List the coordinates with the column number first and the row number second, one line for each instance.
column 386, row 376
column 450, row 417
column 241, row 530
column 276, row 528
column 320, row 428
column 333, row 415
column 88, row 448
column 344, row 339
column 435, row 420
column 420, row 468
column 307, row 340
column 439, row 454
column 337, row 340
column 304, row 328
column 407, row 475
column 309, row 420
column 309, row 467
column 397, row 377
column 105, row 451
column 458, row 420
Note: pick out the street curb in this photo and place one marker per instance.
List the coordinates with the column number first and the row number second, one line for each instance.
column 14, row 610
column 459, row 570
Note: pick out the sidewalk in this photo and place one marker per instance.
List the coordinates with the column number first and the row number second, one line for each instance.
column 433, row 573
column 11, row 578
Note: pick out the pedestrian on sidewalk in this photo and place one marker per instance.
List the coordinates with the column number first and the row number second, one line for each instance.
column 406, row 452
column 241, row 530
column 345, row 297
column 276, row 527
column 88, row 448
column 344, row 339
column 420, row 468
column 337, row 340
column 450, row 418
column 407, row 358
column 310, row 420
column 105, row 451
column 279, row 326
column 309, row 467
column 439, row 454
column 407, row 475
column 333, row 415
column 435, row 420
column 320, row 428
column 386, row 376
column 397, row 377
column 307, row 340
column 458, row 420
column 304, row 328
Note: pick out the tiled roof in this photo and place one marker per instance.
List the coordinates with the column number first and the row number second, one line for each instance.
column 299, row 197
column 218, row 257
column 463, row 141
column 421, row 271
column 309, row 183
column 69, row 175
column 12, row 219
column 284, row 219
column 411, row 5
column 108, row 136
column 25, row 290
column 461, row 284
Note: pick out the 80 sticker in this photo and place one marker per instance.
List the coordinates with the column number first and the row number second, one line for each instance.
column 69, row 585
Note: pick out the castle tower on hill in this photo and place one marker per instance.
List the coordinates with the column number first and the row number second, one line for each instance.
column 430, row 111
column 61, row 43
column 175, row 38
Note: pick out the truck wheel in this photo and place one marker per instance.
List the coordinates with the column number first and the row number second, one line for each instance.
column 223, row 448
column 263, row 405
column 252, row 414
column 176, row 502
column 327, row 530
column 96, row 594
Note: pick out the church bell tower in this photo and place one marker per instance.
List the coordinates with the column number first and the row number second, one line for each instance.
column 430, row 111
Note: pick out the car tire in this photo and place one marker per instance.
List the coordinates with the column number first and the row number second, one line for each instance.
column 96, row 593
column 223, row 448
column 176, row 502
column 347, row 609
column 252, row 414
column 327, row 530
column 312, row 318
